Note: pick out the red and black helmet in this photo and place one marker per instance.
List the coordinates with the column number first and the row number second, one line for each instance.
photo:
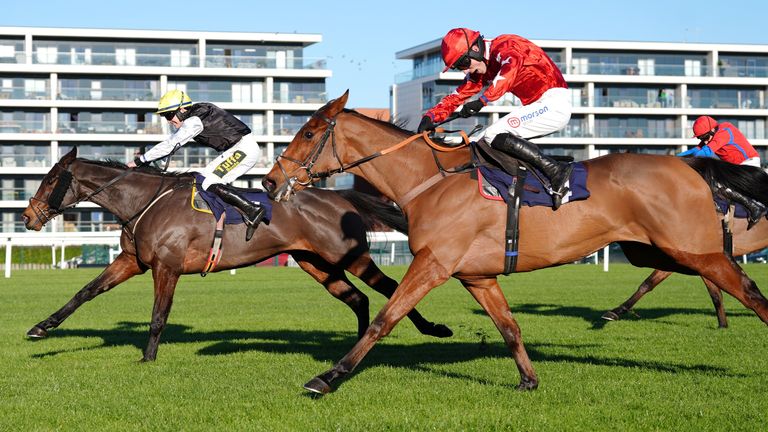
column 457, row 48
column 703, row 125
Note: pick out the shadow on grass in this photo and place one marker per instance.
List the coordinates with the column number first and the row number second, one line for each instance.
column 330, row 346
column 594, row 316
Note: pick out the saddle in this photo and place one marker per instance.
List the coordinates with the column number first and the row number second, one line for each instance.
column 504, row 178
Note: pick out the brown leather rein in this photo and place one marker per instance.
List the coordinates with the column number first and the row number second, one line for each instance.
column 311, row 159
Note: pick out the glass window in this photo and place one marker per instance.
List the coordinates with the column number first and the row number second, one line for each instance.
column 104, row 88
column 290, row 91
column 636, row 127
column 739, row 65
column 623, row 96
column 724, row 97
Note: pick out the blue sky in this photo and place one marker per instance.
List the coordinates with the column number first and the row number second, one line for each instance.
column 360, row 38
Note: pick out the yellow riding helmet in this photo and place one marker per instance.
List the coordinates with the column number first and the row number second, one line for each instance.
column 172, row 101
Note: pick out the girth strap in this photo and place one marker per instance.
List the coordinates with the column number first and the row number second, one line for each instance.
column 512, row 232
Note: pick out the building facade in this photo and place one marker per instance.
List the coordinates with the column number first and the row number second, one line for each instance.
column 97, row 89
column 627, row 96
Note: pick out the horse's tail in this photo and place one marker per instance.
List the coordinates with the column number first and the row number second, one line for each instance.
column 374, row 211
column 748, row 180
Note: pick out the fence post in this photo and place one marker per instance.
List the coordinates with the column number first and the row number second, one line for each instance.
column 8, row 258
column 392, row 255
column 606, row 258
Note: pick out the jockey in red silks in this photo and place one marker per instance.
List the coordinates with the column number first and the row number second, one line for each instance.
column 508, row 64
column 722, row 140
column 726, row 142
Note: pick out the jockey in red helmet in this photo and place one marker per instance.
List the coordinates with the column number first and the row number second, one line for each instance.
column 508, row 64
column 724, row 141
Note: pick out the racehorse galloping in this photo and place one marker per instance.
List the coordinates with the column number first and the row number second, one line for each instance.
column 744, row 242
column 647, row 203
column 322, row 231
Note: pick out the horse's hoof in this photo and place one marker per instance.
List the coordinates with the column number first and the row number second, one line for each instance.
column 526, row 385
column 610, row 316
column 37, row 333
column 317, row 385
column 439, row 331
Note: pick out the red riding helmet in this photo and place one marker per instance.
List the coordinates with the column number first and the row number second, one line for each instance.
column 702, row 125
column 457, row 44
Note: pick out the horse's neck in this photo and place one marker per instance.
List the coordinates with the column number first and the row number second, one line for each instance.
column 399, row 173
column 128, row 195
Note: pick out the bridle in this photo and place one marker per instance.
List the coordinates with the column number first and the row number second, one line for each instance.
column 64, row 184
column 309, row 162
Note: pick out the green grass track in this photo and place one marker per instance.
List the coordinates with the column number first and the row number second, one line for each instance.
column 237, row 350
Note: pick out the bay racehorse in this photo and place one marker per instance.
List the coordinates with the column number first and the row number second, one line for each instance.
column 322, row 230
column 658, row 209
column 744, row 242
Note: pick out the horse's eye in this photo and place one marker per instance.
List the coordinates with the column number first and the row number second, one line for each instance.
column 308, row 134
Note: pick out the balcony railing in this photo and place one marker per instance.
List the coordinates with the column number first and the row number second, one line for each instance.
column 263, row 62
column 109, row 127
column 31, row 160
column 17, row 194
column 299, row 97
column 17, row 92
column 25, row 126
column 639, row 101
column 635, row 132
column 74, row 93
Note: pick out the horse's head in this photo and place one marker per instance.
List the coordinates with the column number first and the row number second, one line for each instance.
column 311, row 155
column 56, row 192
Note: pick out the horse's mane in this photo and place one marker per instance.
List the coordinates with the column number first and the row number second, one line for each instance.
column 747, row 180
column 396, row 125
column 149, row 169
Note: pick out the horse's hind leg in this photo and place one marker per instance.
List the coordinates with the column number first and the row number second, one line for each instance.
column 368, row 272
column 121, row 269
column 725, row 274
column 488, row 293
column 335, row 282
column 647, row 286
column 717, row 300
column 165, row 285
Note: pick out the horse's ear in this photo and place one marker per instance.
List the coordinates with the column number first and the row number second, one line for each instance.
column 69, row 157
column 335, row 106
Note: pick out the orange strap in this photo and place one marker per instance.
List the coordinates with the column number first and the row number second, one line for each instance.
column 429, row 142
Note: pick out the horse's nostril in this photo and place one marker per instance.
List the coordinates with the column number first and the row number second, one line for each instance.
column 268, row 184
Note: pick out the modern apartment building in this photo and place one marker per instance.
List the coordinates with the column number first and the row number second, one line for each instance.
column 97, row 89
column 627, row 96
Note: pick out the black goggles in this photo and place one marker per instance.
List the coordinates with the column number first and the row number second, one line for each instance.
column 704, row 136
column 169, row 115
column 463, row 63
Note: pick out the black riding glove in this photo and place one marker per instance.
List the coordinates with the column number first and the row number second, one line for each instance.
column 426, row 125
column 471, row 108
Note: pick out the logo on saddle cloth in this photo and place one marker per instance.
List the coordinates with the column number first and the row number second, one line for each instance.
column 229, row 164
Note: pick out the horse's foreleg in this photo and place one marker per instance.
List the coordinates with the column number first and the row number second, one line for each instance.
column 717, row 300
column 165, row 285
column 336, row 283
column 368, row 272
column 488, row 293
column 729, row 277
column 424, row 274
column 647, row 286
column 121, row 269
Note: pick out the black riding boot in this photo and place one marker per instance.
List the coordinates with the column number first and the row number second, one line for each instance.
column 557, row 172
column 253, row 212
column 756, row 209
